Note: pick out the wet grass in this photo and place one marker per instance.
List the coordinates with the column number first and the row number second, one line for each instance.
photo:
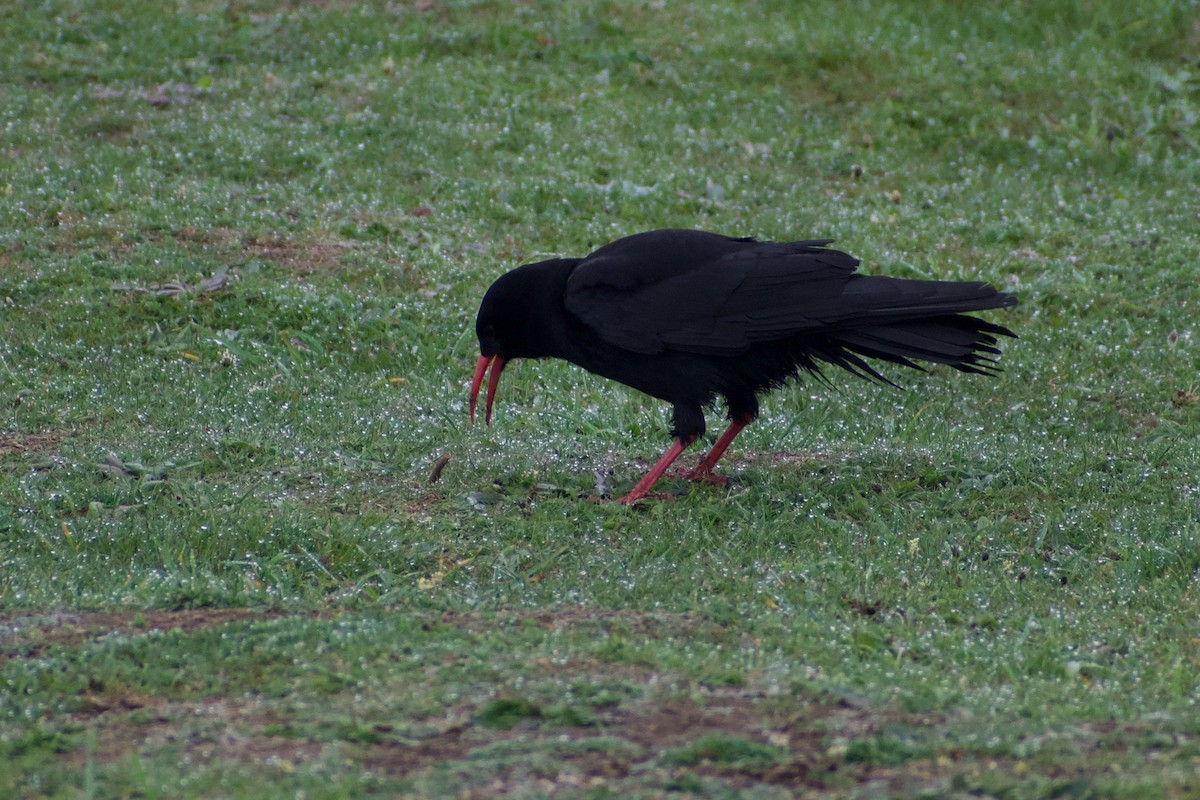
column 241, row 249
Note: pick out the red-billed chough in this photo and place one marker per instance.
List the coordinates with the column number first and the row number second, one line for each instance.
column 686, row 315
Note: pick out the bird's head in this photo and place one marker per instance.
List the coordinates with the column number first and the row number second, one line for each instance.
column 520, row 317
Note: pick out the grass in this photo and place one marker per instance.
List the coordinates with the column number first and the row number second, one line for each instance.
column 241, row 249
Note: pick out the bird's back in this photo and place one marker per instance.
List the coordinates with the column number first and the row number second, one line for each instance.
column 679, row 313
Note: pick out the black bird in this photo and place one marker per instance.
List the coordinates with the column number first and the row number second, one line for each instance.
column 686, row 315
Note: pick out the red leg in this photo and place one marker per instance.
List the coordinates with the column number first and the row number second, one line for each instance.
column 645, row 484
column 703, row 470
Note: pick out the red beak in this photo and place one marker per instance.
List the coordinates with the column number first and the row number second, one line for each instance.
column 481, row 368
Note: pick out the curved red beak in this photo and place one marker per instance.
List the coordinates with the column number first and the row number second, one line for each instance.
column 481, row 368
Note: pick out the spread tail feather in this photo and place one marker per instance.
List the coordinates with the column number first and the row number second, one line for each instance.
column 904, row 322
column 909, row 321
column 965, row 343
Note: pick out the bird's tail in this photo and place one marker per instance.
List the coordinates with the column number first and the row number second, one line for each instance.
column 904, row 321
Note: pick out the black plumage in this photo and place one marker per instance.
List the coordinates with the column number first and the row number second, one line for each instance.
column 687, row 316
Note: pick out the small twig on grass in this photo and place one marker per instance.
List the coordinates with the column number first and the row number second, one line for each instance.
column 435, row 474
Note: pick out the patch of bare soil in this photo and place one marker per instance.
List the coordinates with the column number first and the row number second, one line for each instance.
column 213, row 730
column 623, row 745
column 626, row 741
column 26, row 634
column 638, row 623
column 650, row 729
column 739, row 461
column 23, row 443
column 302, row 258
column 630, row 744
column 295, row 256
column 11, row 262
column 222, row 731
column 452, row 744
column 206, row 237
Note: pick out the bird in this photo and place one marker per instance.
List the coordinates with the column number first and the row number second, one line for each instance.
column 686, row 316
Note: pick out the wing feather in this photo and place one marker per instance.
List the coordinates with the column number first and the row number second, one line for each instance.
column 703, row 293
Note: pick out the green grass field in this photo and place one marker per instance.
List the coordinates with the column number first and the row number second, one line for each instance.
column 241, row 249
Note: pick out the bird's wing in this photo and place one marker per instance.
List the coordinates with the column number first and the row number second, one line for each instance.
column 701, row 293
